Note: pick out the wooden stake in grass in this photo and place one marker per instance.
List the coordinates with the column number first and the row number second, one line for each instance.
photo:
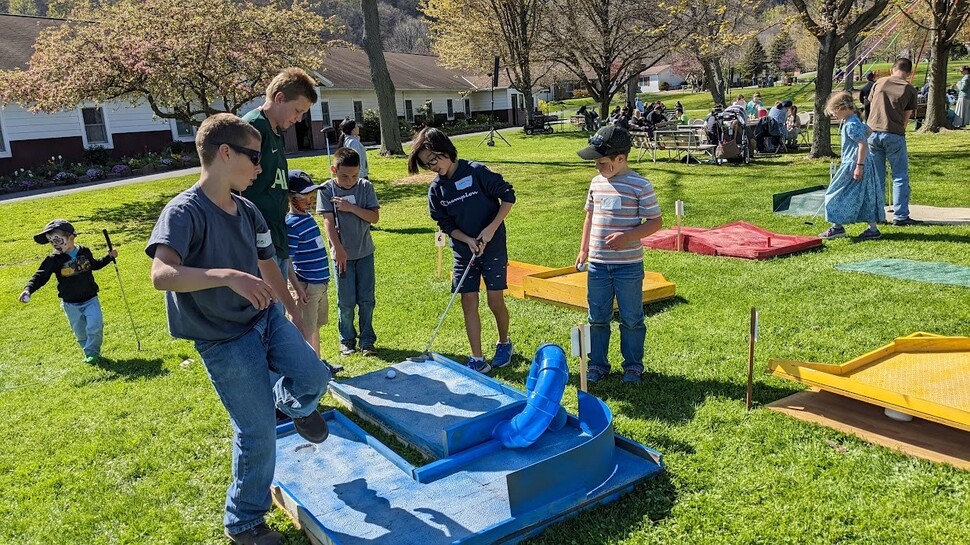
column 439, row 241
column 679, row 212
column 752, row 337
column 580, row 344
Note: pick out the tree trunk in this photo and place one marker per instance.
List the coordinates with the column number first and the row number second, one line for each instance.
column 631, row 91
column 937, row 105
column 821, row 135
column 714, row 78
column 849, row 80
column 386, row 102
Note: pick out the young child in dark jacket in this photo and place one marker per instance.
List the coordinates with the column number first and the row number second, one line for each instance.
column 72, row 265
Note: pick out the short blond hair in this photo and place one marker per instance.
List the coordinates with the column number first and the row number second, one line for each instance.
column 293, row 83
column 222, row 129
column 841, row 100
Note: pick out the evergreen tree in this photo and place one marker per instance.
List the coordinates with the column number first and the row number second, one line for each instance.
column 754, row 61
column 782, row 44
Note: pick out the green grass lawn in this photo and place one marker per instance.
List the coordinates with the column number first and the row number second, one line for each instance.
column 137, row 448
column 802, row 93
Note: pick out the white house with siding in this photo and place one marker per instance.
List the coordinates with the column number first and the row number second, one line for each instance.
column 28, row 139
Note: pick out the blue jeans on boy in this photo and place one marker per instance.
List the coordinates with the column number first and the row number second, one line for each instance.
column 356, row 288
column 887, row 145
column 624, row 282
column 240, row 372
column 87, row 322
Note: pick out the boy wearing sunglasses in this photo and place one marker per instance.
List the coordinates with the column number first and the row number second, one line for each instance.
column 72, row 265
column 213, row 255
column 470, row 202
column 621, row 208
column 288, row 97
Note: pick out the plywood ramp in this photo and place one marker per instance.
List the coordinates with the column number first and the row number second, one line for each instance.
column 919, row 438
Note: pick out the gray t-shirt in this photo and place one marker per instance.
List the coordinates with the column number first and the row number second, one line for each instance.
column 208, row 237
column 354, row 232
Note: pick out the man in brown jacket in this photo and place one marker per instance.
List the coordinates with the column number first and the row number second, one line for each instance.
column 892, row 103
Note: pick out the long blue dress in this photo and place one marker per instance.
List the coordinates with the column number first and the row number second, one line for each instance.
column 850, row 201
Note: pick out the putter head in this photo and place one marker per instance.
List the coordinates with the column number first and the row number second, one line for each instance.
column 420, row 357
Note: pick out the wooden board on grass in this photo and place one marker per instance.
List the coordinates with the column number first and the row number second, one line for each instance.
column 919, row 438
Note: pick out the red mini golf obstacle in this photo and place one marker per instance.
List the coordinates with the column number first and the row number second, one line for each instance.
column 738, row 239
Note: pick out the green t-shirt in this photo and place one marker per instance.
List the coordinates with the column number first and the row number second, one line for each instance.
column 269, row 191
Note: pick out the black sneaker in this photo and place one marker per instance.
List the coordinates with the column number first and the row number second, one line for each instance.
column 906, row 222
column 258, row 535
column 312, row 427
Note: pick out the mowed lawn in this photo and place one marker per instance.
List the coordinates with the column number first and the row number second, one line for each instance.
column 137, row 448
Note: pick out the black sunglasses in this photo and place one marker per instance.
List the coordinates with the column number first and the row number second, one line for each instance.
column 254, row 155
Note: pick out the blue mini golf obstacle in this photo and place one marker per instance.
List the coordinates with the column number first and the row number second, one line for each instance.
column 505, row 464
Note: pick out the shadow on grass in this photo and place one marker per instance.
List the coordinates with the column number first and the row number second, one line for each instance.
column 134, row 220
column 129, row 370
column 925, row 237
column 410, row 231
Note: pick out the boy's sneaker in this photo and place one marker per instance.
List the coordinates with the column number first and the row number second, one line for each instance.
column 347, row 349
column 503, row 354
column 905, row 222
column 92, row 359
column 479, row 364
column 312, row 427
column 595, row 374
column 631, row 375
column 258, row 535
column 870, row 234
column 833, row 232
column 368, row 351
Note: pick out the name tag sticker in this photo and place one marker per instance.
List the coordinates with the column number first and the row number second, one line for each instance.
column 317, row 242
column 463, row 183
column 352, row 199
column 263, row 239
column 610, row 203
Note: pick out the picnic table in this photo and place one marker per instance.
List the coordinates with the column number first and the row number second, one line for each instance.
column 680, row 143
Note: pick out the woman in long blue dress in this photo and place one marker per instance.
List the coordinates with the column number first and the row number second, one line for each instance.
column 856, row 192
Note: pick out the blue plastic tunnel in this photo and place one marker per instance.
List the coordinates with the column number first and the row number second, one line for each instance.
column 547, row 382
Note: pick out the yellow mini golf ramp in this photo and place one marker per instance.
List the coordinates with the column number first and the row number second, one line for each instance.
column 567, row 286
column 923, row 375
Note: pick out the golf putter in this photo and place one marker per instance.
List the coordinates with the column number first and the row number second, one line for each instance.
column 121, row 286
column 426, row 355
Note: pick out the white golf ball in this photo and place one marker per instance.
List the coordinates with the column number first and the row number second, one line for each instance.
column 391, row 373
column 581, row 267
column 26, row 298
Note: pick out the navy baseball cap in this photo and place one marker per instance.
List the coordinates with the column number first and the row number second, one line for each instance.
column 54, row 225
column 610, row 140
column 300, row 182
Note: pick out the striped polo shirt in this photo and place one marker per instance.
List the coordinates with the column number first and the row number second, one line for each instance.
column 619, row 204
column 306, row 248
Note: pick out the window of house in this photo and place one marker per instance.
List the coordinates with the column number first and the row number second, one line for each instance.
column 468, row 108
column 358, row 111
column 182, row 130
column 325, row 113
column 94, row 127
column 409, row 111
column 4, row 150
column 451, row 109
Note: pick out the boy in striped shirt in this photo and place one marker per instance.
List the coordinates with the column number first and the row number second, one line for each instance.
column 621, row 208
column 310, row 272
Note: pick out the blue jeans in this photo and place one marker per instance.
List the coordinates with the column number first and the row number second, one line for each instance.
column 355, row 288
column 624, row 282
column 87, row 322
column 239, row 370
column 886, row 145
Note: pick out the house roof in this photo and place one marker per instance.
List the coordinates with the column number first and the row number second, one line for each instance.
column 347, row 68
column 17, row 36
column 655, row 69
